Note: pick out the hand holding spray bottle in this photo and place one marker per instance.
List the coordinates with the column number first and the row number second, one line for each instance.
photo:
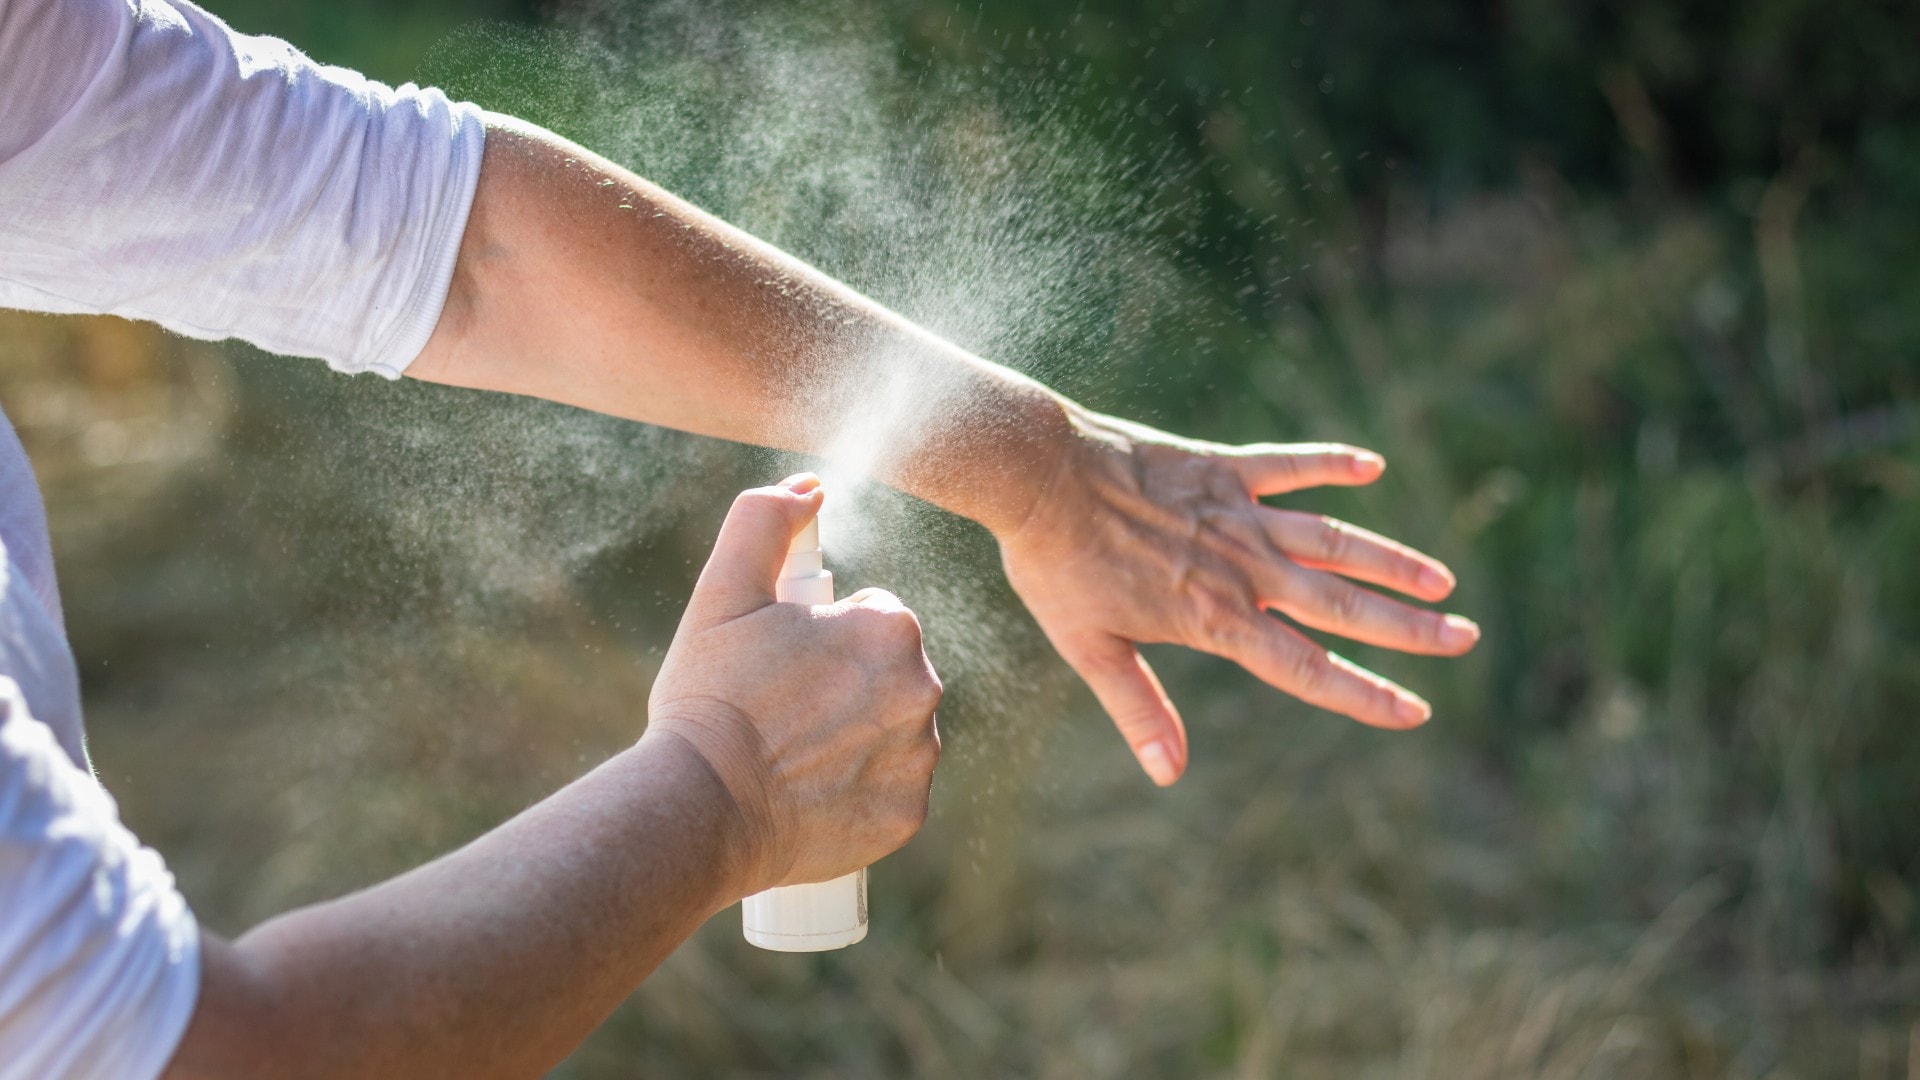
column 827, row 914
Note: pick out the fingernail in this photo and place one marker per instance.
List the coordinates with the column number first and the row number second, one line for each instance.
column 1367, row 463
column 801, row 483
column 1435, row 580
column 1157, row 759
column 1458, row 632
column 1412, row 711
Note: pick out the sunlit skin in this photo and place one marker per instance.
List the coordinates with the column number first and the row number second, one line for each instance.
column 784, row 744
column 580, row 282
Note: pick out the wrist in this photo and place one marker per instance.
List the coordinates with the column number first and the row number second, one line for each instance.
column 998, row 463
column 739, row 829
column 1090, row 458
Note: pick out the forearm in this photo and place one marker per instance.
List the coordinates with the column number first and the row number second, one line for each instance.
column 493, row 961
column 582, row 283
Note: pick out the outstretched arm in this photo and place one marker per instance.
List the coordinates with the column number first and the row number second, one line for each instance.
column 580, row 282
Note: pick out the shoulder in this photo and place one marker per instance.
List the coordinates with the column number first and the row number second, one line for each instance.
column 51, row 52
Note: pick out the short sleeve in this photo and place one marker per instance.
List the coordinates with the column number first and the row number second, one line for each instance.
column 99, row 954
column 156, row 165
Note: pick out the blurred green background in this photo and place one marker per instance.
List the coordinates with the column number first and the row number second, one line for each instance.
column 1628, row 294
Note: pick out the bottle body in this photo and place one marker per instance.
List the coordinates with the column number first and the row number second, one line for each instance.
column 808, row 918
column 822, row 915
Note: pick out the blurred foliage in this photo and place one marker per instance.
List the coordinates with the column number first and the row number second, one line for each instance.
column 1627, row 293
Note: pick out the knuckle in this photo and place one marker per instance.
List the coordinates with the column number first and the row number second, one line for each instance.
column 1405, row 567
column 884, row 618
column 869, row 625
column 1344, row 602
column 913, row 698
column 757, row 500
column 1336, row 541
column 1383, row 701
column 904, row 625
column 1310, row 670
column 907, row 823
column 930, row 692
column 922, row 760
column 1240, row 534
column 880, row 600
column 1219, row 614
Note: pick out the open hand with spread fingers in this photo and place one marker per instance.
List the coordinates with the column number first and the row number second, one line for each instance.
column 1144, row 537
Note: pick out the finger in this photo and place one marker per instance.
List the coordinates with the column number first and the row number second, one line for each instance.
column 747, row 555
column 1324, row 543
column 1326, row 602
column 1283, row 658
column 1275, row 469
column 1132, row 695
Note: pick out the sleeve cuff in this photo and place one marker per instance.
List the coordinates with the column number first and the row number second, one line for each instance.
column 441, row 252
column 182, row 995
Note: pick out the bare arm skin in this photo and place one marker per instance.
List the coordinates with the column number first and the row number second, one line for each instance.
column 497, row 960
column 494, row 961
column 579, row 282
column 583, row 283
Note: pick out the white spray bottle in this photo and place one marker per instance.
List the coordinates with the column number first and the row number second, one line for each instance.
column 828, row 914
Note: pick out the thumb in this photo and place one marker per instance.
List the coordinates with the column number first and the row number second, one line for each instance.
column 1130, row 692
column 753, row 541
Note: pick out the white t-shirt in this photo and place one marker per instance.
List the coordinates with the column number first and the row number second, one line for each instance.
column 158, row 166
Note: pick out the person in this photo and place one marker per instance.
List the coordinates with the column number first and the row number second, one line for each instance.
column 156, row 165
